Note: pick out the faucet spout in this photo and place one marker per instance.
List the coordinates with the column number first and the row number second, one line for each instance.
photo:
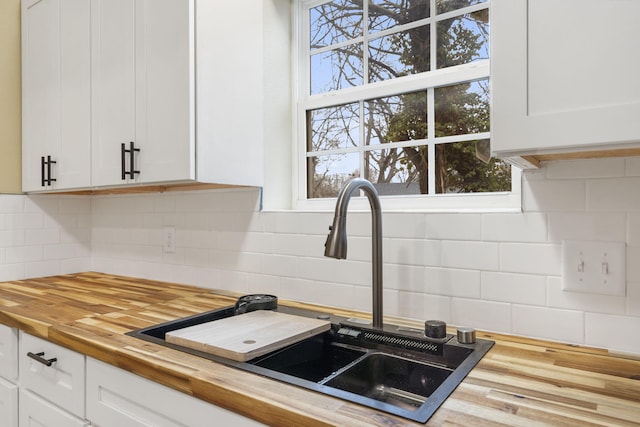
column 336, row 244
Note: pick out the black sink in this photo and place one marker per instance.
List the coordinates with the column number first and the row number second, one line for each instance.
column 396, row 370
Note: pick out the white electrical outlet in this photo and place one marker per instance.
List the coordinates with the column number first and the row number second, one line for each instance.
column 169, row 240
column 594, row 267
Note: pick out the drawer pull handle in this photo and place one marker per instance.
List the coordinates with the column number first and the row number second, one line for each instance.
column 38, row 357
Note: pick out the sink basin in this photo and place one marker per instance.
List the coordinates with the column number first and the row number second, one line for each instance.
column 396, row 370
column 394, row 380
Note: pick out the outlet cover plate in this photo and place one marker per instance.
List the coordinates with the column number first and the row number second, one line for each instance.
column 594, row 267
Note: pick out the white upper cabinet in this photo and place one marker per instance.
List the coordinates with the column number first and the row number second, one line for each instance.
column 142, row 91
column 565, row 76
column 56, row 94
column 154, row 91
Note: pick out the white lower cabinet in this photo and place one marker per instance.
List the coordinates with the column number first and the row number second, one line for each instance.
column 116, row 398
column 55, row 373
column 8, row 403
column 8, row 376
column 37, row 412
column 43, row 384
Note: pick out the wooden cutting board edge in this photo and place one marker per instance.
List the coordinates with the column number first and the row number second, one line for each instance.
column 313, row 327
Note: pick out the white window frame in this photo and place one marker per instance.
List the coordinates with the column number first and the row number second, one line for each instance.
column 303, row 101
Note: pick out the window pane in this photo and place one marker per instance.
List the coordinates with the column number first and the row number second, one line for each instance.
column 396, row 118
column 443, row 6
column 458, row 170
column 399, row 54
column 336, row 69
column 386, row 14
column 398, row 170
column 333, row 127
column 335, row 22
column 326, row 175
column 463, row 39
column 462, row 109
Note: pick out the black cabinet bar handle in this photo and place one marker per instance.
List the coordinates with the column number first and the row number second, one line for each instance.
column 46, row 177
column 123, row 168
column 38, row 358
column 49, row 162
column 132, row 160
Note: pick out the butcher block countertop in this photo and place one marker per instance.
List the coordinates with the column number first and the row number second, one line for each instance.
column 520, row 382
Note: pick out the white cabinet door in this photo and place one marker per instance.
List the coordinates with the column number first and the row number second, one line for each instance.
column 142, row 91
column 37, row 412
column 119, row 398
column 564, row 75
column 62, row 383
column 8, row 404
column 8, row 353
column 56, row 94
column 113, row 86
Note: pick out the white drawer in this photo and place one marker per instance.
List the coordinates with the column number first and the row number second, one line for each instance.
column 37, row 412
column 8, row 353
column 119, row 398
column 8, row 404
column 62, row 383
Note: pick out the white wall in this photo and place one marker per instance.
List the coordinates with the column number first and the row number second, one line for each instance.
column 498, row 272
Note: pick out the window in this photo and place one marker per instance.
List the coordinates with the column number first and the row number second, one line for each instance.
column 397, row 92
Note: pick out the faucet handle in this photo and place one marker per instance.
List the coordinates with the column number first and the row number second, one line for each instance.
column 435, row 329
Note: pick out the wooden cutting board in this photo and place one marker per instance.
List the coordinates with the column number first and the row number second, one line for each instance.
column 249, row 335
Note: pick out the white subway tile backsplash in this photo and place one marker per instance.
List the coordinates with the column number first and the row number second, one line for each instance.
column 43, row 268
column 297, row 289
column 16, row 254
column 515, row 227
column 453, row 227
column 281, row 265
column 619, row 333
column 404, row 278
column 554, row 196
column 470, row 255
column 613, row 167
column 514, row 288
column 402, row 225
column 411, row 251
column 633, row 299
column 60, row 251
column 13, row 271
column 353, row 272
column 322, row 269
column 558, row 298
column 492, row 271
column 263, row 284
column 12, row 203
column 632, row 264
column 410, row 304
column 613, row 195
column 633, row 229
column 452, row 282
column 334, row 294
column 12, row 238
column 24, row 221
column 532, row 258
column 632, row 166
column 548, row 323
column 479, row 314
column 437, row 308
column 587, row 226
column 42, row 237
column 298, row 244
